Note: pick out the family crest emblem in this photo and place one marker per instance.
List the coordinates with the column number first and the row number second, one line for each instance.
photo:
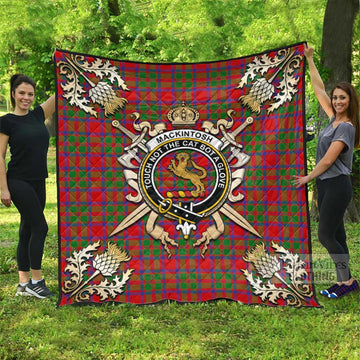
column 184, row 174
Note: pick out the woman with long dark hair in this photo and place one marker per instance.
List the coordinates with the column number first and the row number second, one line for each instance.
column 23, row 183
column 334, row 157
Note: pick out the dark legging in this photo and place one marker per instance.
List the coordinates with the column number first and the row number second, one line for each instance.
column 334, row 195
column 29, row 198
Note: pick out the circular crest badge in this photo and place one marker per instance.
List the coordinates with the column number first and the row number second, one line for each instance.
column 184, row 175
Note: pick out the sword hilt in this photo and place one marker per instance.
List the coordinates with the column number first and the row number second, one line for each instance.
column 130, row 135
column 236, row 132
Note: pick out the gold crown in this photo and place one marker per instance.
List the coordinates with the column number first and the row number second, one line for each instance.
column 183, row 115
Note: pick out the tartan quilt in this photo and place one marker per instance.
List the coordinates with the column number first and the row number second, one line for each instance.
column 174, row 180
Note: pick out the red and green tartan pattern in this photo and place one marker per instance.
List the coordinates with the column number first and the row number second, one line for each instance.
column 92, row 187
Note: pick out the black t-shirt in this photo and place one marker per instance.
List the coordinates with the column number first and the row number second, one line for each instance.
column 28, row 143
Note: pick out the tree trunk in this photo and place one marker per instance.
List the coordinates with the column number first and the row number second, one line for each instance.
column 337, row 40
column 113, row 31
column 336, row 53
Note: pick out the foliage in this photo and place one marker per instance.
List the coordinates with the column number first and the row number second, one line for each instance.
column 356, row 54
column 26, row 44
column 157, row 31
column 214, row 330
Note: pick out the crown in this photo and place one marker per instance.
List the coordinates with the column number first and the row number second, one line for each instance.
column 183, row 115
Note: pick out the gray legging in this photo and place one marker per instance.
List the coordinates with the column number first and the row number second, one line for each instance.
column 29, row 198
column 334, row 196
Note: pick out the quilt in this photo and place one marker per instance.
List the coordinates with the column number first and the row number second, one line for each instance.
column 175, row 180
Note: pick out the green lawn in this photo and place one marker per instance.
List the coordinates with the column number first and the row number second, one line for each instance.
column 37, row 329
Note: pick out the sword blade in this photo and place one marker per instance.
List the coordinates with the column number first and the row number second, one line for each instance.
column 234, row 216
column 132, row 218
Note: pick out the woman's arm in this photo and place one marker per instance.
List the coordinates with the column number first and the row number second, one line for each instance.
column 4, row 190
column 49, row 106
column 317, row 83
column 329, row 158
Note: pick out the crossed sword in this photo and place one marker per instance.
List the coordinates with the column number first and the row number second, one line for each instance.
column 143, row 209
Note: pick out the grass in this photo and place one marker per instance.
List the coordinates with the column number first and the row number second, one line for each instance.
column 222, row 330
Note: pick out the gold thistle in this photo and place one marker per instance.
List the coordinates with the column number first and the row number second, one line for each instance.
column 265, row 264
column 74, row 67
column 261, row 91
column 109, row 261
column 104, row 95
column 293, row 289
column 106, row 264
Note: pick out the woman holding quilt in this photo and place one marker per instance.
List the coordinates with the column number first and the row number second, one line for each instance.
column 334, row 156
column 24, row 182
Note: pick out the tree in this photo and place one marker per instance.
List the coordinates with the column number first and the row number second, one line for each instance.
column 26, row 44
column 145, row 30
column 337, row 40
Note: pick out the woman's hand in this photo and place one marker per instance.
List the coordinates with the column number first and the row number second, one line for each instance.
column 308, row 51
column 6, row 198
column 301, row 180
